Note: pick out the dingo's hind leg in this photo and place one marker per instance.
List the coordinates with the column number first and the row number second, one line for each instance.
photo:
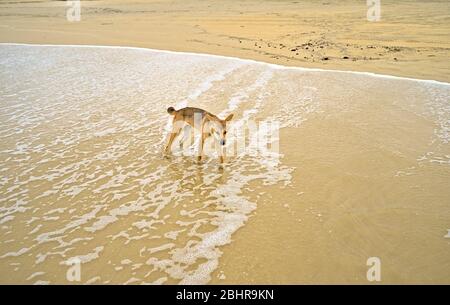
column 186, row 137
column 175, row 132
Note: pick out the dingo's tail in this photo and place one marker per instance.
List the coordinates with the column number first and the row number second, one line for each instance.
column 171, row 110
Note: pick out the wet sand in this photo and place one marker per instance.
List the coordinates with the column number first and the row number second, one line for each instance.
column 412, row 38
column 359, row 190
column 362, row 171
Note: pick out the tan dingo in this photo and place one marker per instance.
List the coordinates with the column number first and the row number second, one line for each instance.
column 208, row 123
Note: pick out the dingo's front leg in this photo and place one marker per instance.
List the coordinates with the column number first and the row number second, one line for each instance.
column 202, row 143
column 222, row 154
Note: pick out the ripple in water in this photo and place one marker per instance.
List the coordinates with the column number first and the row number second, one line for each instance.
column 82, row 174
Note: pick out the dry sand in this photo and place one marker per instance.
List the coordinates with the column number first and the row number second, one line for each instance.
column 412, row 39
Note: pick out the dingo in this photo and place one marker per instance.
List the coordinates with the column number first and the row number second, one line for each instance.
column 208, row 123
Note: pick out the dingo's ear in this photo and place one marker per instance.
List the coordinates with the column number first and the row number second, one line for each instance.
column 228, row 118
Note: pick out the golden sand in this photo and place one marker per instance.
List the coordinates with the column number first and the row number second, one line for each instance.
column 412, row 38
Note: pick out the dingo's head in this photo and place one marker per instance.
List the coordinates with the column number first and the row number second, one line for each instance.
column 219, row 128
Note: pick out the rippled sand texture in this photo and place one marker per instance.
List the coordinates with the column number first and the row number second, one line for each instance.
column 363, row 171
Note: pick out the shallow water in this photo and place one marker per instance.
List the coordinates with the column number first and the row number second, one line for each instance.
column 82, row 175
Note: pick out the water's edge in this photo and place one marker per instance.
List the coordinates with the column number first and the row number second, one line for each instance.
column 275, row 66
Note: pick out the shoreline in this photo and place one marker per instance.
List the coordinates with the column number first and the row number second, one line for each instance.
column 277, row 66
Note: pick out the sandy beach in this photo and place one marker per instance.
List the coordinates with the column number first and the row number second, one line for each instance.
column 411, row 39
column 361, row 168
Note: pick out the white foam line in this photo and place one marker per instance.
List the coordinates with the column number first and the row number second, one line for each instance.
column 275, row 66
